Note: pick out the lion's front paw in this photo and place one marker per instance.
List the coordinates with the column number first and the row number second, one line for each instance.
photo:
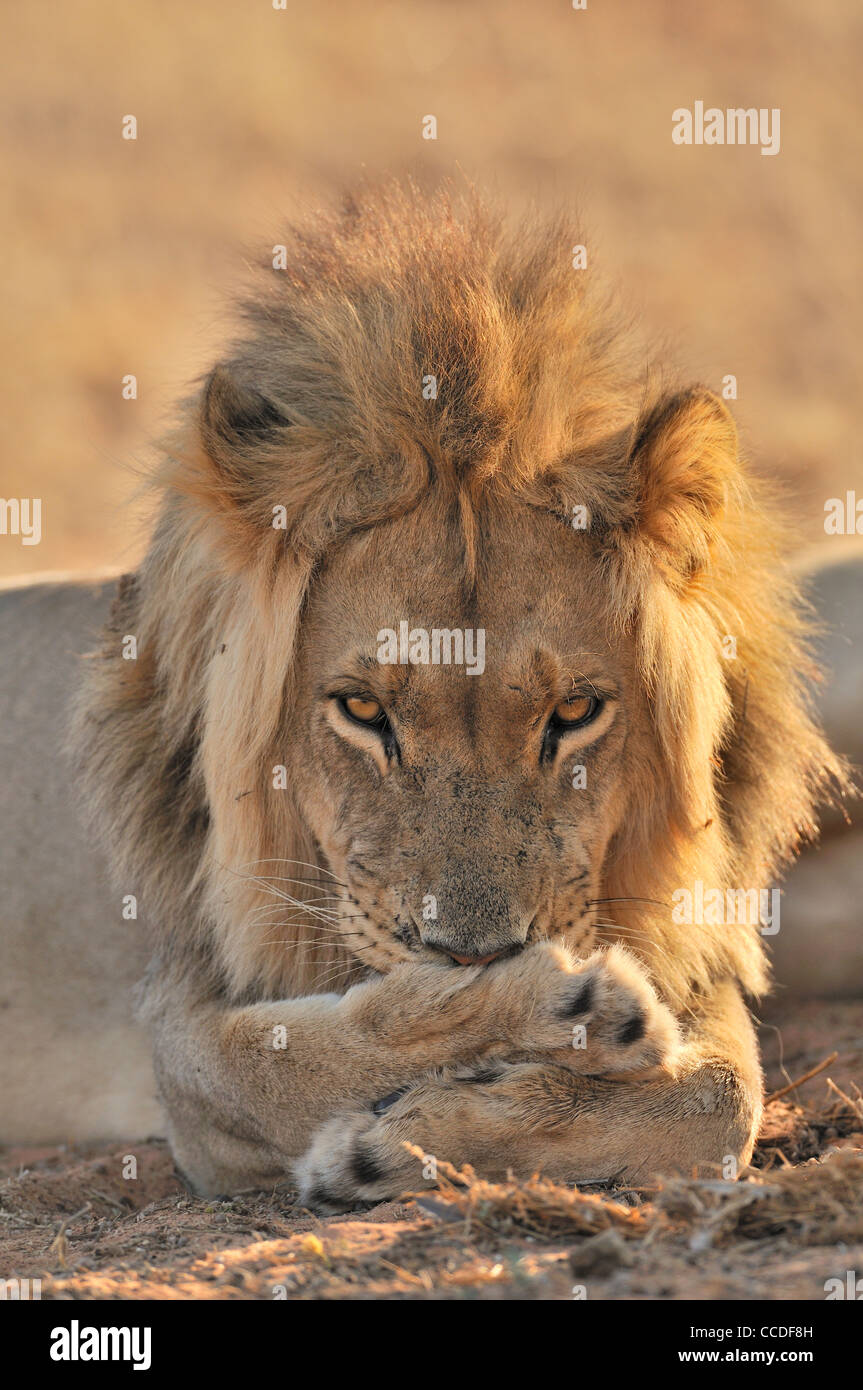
column 346, row 1164
column 599, row 1016
column 360, row 1155
column 465, row 1116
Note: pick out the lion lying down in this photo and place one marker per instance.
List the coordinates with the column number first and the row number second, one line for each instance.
column 393, row 897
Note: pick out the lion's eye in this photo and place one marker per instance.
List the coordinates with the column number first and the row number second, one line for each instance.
column 571, row 714
column 364, row 710
column 370, row 713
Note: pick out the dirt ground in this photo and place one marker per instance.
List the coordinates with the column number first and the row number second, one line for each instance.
column 794, row 1221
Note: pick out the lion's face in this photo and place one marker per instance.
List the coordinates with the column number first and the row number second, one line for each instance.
column 466, row 809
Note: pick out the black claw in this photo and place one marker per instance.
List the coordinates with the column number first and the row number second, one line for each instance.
column 321, row 1197
column 381, row 1105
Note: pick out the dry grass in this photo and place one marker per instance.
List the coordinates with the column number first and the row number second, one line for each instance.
column 534, row 1207
column 818, row 1201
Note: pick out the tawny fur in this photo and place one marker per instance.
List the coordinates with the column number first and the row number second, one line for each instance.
column 319, row 415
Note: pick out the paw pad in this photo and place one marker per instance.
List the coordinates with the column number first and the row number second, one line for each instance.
column 582, row 1001
column 632, row 1031
column 365, row 1168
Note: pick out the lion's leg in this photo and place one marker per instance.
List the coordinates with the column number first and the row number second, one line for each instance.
column 245, row 1088
column 530, row 1116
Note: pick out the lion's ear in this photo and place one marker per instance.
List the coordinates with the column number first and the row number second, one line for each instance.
column 685, row 458
column 236, row 418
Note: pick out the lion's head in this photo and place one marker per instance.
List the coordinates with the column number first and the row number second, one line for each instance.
column 454, row 628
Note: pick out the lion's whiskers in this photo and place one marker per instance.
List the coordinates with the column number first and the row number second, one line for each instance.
column 633, row 931
column 268, row 879
column 318, row 930
column 324, row 914
column 653, row 902
column 334, row 939
column 655, row 946
column 321, row 914
column 309, row 943
column 321, row 929
column 340, row 972
column 300, row 863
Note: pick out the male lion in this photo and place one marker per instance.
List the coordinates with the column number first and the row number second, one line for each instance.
column 409, row 899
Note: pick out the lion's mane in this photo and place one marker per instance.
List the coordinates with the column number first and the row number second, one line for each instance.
column 320, row 411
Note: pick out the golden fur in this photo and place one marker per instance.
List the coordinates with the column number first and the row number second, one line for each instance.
column 541, row 407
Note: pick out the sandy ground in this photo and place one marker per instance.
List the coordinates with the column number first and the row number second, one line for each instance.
column 791, row 1224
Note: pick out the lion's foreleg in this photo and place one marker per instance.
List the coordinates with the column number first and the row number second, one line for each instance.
column 529, row 1117
column 246, row 1087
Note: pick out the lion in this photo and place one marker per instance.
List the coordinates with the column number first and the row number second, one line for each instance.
column 76, row 1063
column 393, row 896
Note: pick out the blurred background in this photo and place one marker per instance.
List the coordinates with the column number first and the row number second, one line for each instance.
column 119, row 256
